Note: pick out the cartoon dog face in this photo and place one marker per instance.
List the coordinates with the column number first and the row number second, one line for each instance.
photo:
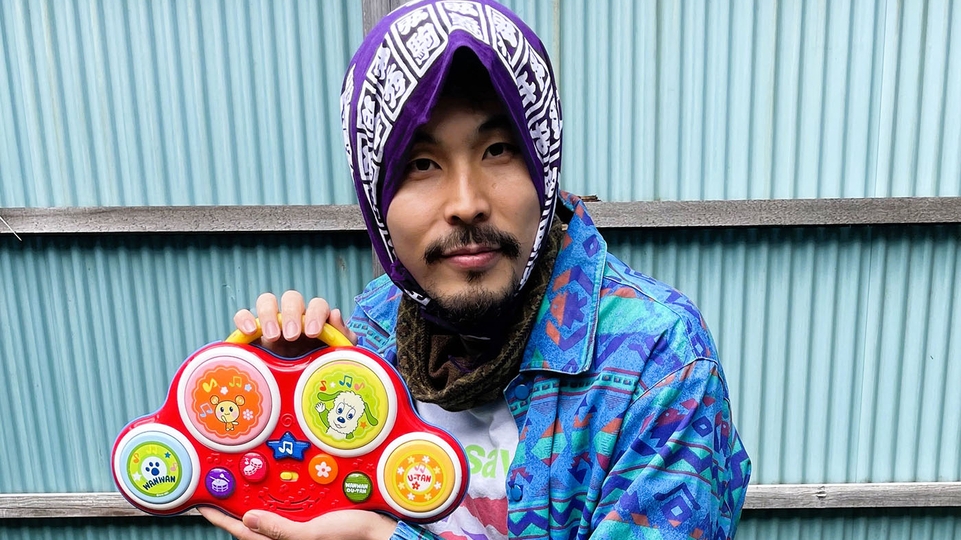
column 344, row 415
column 228, row 411
column 153, row 468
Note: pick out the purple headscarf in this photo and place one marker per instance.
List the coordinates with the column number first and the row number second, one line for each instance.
column 395, row 79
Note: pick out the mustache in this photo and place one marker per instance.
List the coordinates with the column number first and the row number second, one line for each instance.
column 485, row 235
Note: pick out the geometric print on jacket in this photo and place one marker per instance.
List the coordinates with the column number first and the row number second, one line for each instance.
column 621, row 406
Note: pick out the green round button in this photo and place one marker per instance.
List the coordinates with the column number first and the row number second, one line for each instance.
column 358, row 487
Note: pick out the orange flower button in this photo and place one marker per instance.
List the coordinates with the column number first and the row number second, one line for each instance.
column 323, row 468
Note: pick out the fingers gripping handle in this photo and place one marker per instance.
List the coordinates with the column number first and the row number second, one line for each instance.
column 328, row 334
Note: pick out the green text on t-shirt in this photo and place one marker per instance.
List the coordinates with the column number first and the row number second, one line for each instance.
column 486, row 463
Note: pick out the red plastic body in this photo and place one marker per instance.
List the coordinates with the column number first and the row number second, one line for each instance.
column 296, row 437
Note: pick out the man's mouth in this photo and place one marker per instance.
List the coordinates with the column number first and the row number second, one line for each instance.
column 472, row 258
column 470, row 250
column 473, row 243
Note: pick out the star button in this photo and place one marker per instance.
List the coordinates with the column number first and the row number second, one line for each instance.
column 288, row 447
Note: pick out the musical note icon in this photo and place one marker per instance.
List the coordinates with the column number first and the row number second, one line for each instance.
column 208, row 386
column 236, row 382
column 205, row 409
column 136, row 457
column 347, row 381
column 288, row 447
column 322, row 386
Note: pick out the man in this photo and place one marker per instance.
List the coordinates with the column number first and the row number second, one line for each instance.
column 595, row 390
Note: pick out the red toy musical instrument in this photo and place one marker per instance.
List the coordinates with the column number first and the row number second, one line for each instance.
column 244, row 429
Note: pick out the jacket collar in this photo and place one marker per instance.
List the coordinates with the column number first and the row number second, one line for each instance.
column 563, row 336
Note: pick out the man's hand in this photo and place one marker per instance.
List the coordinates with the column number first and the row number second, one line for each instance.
column 339, row 524
column 301, row 324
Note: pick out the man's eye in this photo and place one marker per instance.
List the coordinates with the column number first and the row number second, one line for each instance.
column 421, row 165
column 499, row 149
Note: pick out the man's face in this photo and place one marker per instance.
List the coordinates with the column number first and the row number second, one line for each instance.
column 463, row 221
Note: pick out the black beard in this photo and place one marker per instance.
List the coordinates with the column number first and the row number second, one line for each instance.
column 477, row 309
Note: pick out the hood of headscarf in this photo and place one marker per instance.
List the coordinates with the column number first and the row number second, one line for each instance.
column 395, row 79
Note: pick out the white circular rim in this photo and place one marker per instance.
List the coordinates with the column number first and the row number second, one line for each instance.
column 379, row 371
column 120, row 472
column 419, row 436
column 230, row 351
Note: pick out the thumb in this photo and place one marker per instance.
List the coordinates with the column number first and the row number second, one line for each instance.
column 271, row 525
column 336, row 319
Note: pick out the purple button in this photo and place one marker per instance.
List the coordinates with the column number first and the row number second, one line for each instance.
column 220, row 482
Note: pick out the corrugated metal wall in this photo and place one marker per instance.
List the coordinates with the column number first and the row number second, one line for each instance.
column 95, row 329
column 914, row 524
column 141, row 528
column 669, row 100
column 111, row 102
column 130, row 103
column 840, row 344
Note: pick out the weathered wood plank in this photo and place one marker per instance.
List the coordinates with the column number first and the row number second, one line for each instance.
column 777, row 212
column 607, row 215
column 69, row 505
column 182, row 219
column 886, row 495
column 759, row 497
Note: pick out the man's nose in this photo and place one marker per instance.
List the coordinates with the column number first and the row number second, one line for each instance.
column 467, row 199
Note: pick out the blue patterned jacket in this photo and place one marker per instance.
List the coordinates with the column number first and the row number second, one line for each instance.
column 621, row 405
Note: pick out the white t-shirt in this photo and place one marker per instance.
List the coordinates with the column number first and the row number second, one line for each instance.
column 489, row 436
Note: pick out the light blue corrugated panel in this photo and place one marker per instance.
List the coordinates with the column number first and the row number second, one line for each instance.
column 897, row 524
column 173, row 102
column 141, row 528
column 95, row 328
column 840, row 345
column 759, row 99
column 916, row 524
column 177, row 102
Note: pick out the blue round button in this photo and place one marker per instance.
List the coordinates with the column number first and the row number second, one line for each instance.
column 522, row 391
column 516, row 493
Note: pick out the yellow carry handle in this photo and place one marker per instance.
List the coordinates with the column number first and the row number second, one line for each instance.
column 328, row 334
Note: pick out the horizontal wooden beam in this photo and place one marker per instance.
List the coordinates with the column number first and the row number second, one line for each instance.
column 68, row 505
column 759, row 497
column 876, row 495
column 182, row 219
column 607, row 215
column 777, row 213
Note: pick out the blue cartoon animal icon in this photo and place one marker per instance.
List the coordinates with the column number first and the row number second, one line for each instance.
column 153, row 468
column 344, row 410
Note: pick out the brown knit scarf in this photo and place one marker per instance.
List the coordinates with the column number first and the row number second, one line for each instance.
column 438, row 366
